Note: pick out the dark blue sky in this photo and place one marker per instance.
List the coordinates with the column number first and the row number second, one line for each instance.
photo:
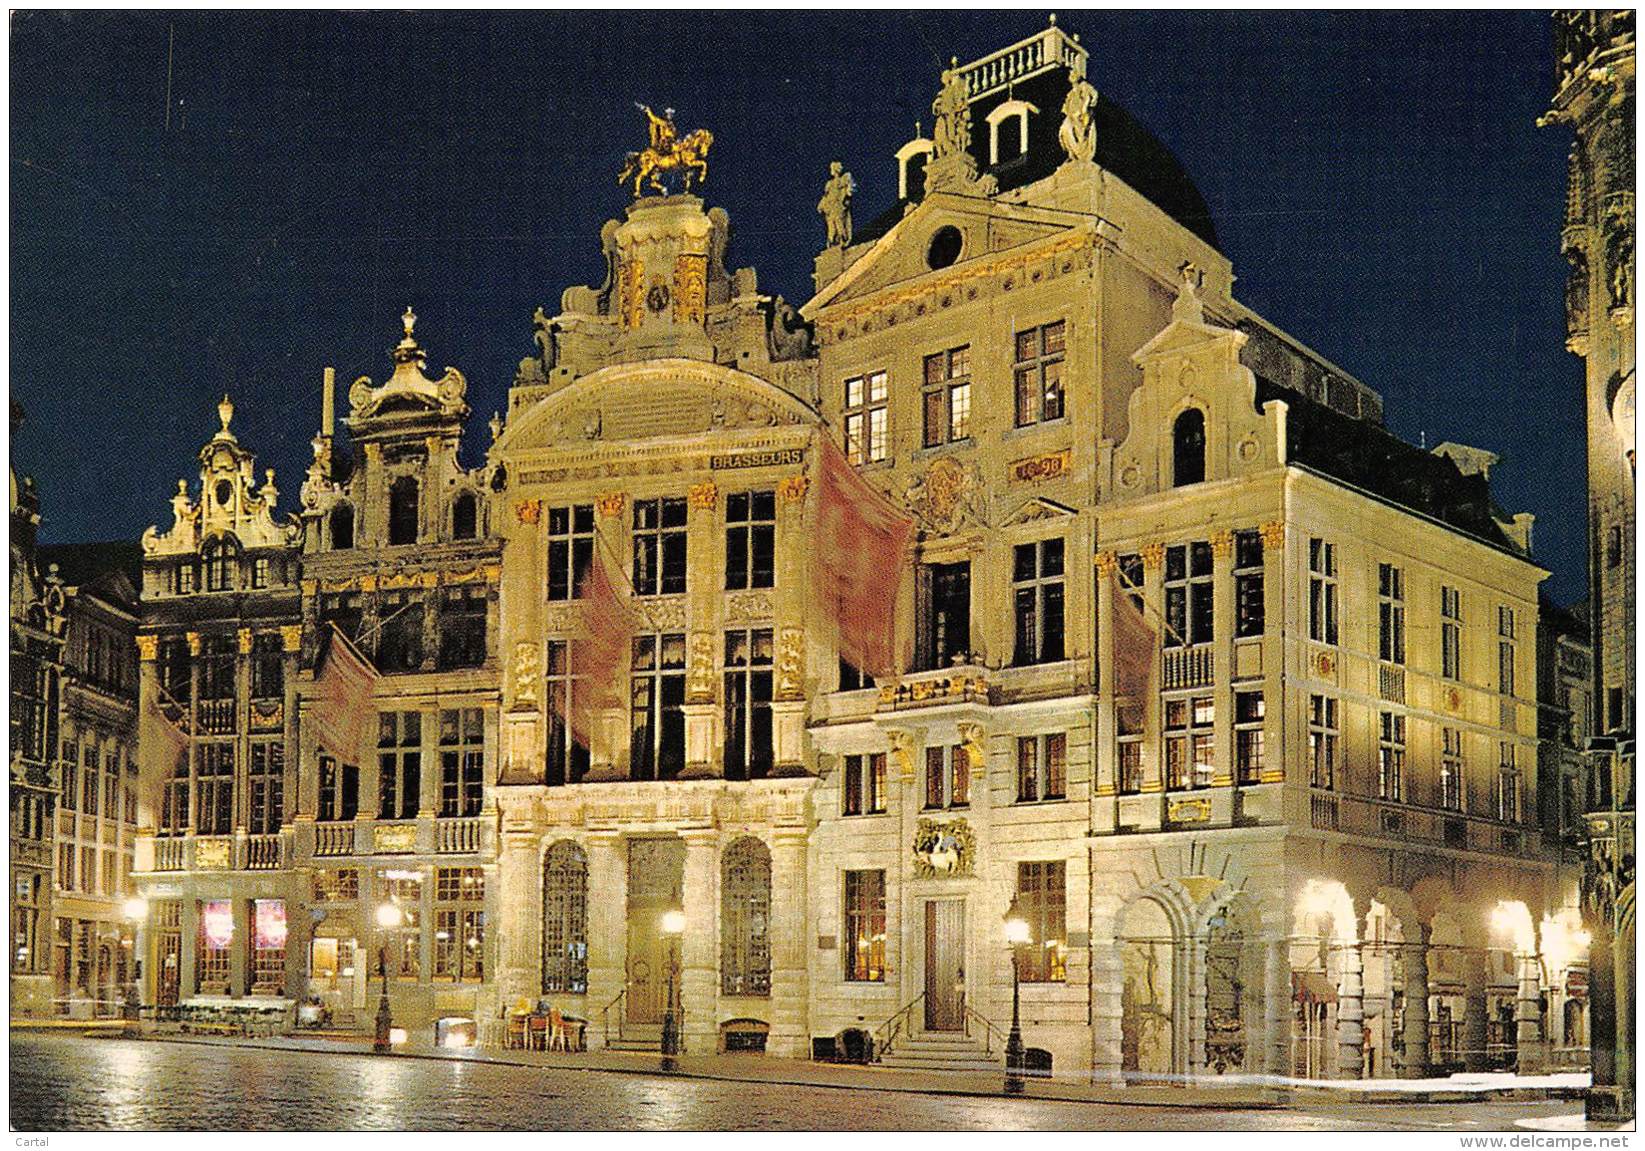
column 1377, row 180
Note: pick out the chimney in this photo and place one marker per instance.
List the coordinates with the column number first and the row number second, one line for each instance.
column 328, row 414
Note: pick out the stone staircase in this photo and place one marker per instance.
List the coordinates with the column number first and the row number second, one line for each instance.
column 637, row 1037
column 942, row 1051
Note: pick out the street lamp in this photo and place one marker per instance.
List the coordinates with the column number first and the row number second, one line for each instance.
column 135, row 910
column 673, row 926
column 1016, row 935
column 389, row 917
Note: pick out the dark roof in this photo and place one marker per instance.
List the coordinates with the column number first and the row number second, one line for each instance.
column 79, row 565
column 1373, row 459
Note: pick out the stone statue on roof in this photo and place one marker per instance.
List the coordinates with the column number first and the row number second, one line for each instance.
column 951, row 134
column 835, row 205
column 1078, row 135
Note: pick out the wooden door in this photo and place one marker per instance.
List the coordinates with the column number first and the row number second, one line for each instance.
column 945, row 965
column 656, row 874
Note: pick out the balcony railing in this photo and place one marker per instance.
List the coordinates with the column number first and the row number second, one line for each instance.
column 168, row 854
column 1186, row 667
column 1414, row 823
column 456, row 836
column 1021, row 60
column 965, row 684
column 263, row 853
column 334, row 839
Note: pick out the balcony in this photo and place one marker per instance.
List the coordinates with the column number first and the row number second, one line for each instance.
column 967, row 683
column 457, row 836
column 1187, row 667
column 1414, row 824
column 334, row 839
column 263, row 853
column 168, row 854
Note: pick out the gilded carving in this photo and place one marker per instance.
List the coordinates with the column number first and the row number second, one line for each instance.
column 690, row 288
column 394, row 838
column 291, row 637
column 792, row 489
column 1038, row 469
column 526, row 669
column 665, row 613
column 242, row 638
column 193, row 642
column 704, row 495
column 1107, row 564
column 1153, row 556
column 1188, row 810
column 148, row 647
column 944, row 849
column 630, row 293
column 611, row 504
column 529, row 511
column 791, row 664
column 1222, row 544
column 901, row 745
column 699, row 677
column 974, row 738
column 211, row 854
column 1273, row 534
column 668, row 151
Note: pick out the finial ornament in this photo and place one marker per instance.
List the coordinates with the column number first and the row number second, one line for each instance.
column 225, row 411
column 668, row 151
column 409, row 319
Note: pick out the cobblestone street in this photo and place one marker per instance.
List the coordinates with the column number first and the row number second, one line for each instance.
column 68, row 1083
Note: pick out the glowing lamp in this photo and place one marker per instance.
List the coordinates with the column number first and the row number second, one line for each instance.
column 136, row 909
column 1016, row 931
column 673, row 922
column 389, row 915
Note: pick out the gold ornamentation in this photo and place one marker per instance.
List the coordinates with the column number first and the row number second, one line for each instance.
column 901, row 744
column 193, row 642
column 1273, row 534
column 690, row 288
column 243, row 639
column 791, row 664
column 211, row 854
column 394, row 838
column 976, row 749
column 612, row 504
column 527, row 668
column 792, row 489
column 1153, row 556
column 368, row 583
column 668, row 151
column 1107, row 564
column 374, row 452
column 704, row 495
column 1188, row 810
column 529, row 511
column 1046, row 466
column 944, row 849
column 309, row 586
column 699, row 678
column 631, row 293
column 291, row 637
column 1325, row 664
column 1222, row 544
column 148, row 648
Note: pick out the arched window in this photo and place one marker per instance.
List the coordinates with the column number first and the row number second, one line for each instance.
column 221, row 558
column 1188, row 448
column 745, row 919
column 464, row 516
column 565, row 919
column 342, row 527
column 402, row 511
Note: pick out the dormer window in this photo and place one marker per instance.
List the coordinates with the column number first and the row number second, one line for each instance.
column 911, row 160
column 221, row 559
column 1188, row 448
column 464, row 517
column 402, row 511
column 1008, row 131
column 342, row 527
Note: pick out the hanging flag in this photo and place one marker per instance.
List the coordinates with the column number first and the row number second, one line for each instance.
column 857, row 556
column 604, row 655
column 1134, row 644
column 161, row 741
column 344, row 715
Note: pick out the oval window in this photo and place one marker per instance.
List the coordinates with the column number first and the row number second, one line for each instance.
column 945, row 247
column 225, row 493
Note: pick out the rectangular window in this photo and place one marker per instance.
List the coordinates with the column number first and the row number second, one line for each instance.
column 214, row 948
column 174, row 799
column 750, row 539
column 659, row 547
column 864, row 784
column 259, row 572
column 336, row 885
column 1037, row 373
column 567, row 754
column 268, row 782
column 403, row 945
column 462, row 761
column 1391, row 757
column 865, row 926
column 748, row 671
column 1042, row 901
column 345, row 610
column 268, row 666
column 1248, row 736
column 1508, row 789
column 70, row 783
column 657, row 721
column 1130, row 766
column 1451, row 769
column 463, row 626
column 1450, row 633
column 88, row 870
column 185, row 579
column 400, row 631
column 268, row 946
column 1042, row 767
column 1390, row 614
column 570, row 548
column 88, row 781
column 1189, row 743
column 867, row 437
column 214, row 789
column 942, row 629
column 339, row 790
column 947, row 777
column 459, row 924
column 1322, row 591
column 1322, row 741
column 1250, row 608
column 1037, row 585
column 947, row 396
column 1190, row 615
column 1505, row 650
column 399, row 764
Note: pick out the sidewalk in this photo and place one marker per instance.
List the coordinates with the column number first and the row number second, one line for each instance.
column 1241, row 1093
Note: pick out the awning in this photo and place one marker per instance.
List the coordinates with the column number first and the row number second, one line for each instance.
column 1312, row 987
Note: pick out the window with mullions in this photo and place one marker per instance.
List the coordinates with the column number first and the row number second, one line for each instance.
column 1322, row 741
column 268, row 666
column 221, row 560
column 1038, row 374
column 1248, row 736
column 1390, row 614
column 1037, row 586
column 1452, row 769
column 1391, row 756
column 214, row 789
column 656, row 747
column 1322, row 591
column 570, row 548
column 1190, row 614
column 69, row 783
column 1250, row 609
column 268, row 946
column 184, row 578
column 399, row 764
column 947, row 776
column 866, row 414
column 865, row 926
column 1128, row 721
column 462, row 760
column 339, row 791
column 750, row 539
column 1505, row 650
column 214, row 949
column 463, row 626
column 567, row 755
column 459, row 924
column 403, row 945
column 342, row 609
column 863, row 788
column 217, row 713
column 659, row 547
column 1042, row 902
column 400, row 631
column 1042, row 767
column 88, row 781
column 565, row 919
column 745, row 919
column 1190, row 745
column 260, row 572
column 174, row 798
column 1508, row 784
column 947, row 396
column 748, row 670
column 268, row 782
column 1450, row 633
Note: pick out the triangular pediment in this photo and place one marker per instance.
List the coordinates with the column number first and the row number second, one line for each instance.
column 1037, row 509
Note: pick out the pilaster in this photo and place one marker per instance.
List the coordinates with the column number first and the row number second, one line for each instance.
column 789, row 1037
column 699, row 984
column 1414, row 960
column 607, row 926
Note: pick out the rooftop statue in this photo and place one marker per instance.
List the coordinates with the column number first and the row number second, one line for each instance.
column 835, row 205
column 1078, row 136
column 668, row 151
column 952, row 108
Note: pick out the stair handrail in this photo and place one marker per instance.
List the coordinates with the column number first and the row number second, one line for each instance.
column 892, row 1027
column 990, row 1031
column 605, row 1015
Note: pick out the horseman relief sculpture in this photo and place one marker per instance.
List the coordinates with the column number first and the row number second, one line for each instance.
column 668, row 151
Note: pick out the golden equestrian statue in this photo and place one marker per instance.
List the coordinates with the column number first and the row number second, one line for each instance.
column 668, row 151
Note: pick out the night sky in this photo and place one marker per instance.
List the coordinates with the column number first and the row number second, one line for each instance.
column 1377, row 180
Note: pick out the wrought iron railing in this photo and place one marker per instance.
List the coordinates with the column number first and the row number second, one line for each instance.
column 991, row 1035
column 886, row 1034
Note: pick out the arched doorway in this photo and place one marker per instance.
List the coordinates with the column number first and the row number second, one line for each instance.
column 1233, row 991
column 1148, row 955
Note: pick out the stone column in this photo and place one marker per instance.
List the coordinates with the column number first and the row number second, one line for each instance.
column 1222, row 599
column 607, row 929
column 1153, row 582
column 1276, row 1001
column 1475, row 1016
column 1414, row 958
column 1104, row 755
column 790, row 985
column 1528, row 1015
column 1351, row 1005
column 1107, row 990
column 520, row 906
column 699, row 958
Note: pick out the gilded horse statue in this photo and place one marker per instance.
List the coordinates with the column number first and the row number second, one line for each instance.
column 667, row 152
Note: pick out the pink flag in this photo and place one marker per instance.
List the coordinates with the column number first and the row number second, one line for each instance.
column 344, row 716
column 858, row 554
column 1134, row 644
column 166, row 741
column 606, row 652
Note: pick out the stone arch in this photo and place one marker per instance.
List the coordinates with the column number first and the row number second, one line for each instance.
column 565, row 918
column 1151, row 930
column 745, row 917
column 1190, row 441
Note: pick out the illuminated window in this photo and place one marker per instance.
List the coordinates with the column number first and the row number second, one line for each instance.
column 1190, row 747
column 1037, row 374
column 865, row 926
column 947, row 396
column 459, row 924
column 1041, row 901
column 867, row 438
column 864, row 784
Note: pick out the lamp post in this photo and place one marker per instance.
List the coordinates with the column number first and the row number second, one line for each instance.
column 389, row 917
column 673, row 926
column 1016, row 935
column 135, row 910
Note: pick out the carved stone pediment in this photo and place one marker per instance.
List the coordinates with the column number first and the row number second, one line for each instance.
column 1038, row 509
